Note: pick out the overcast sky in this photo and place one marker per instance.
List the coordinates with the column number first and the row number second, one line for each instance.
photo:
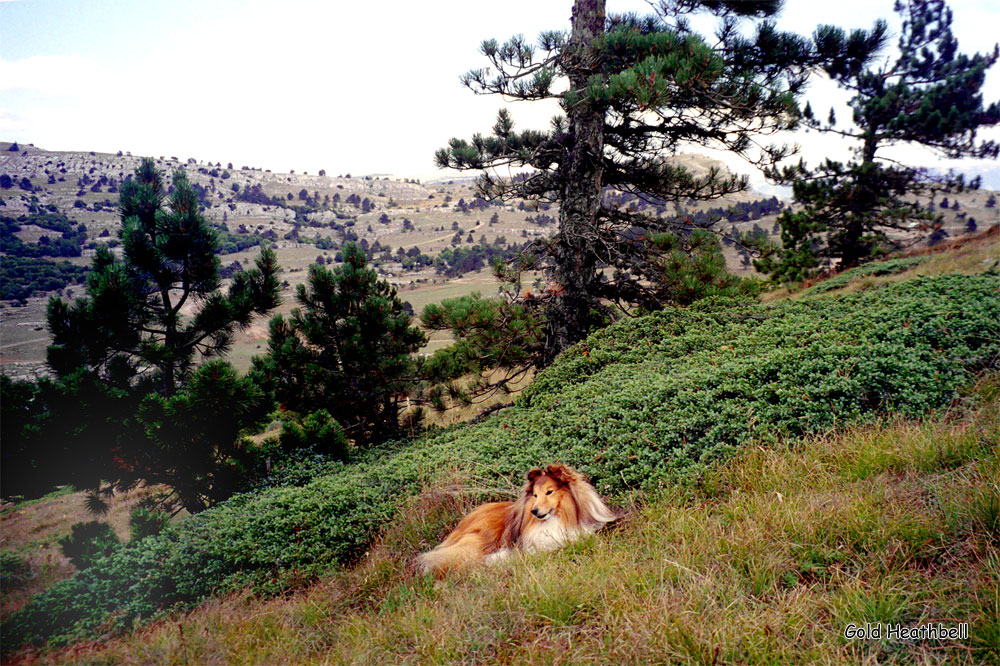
column 359, row 87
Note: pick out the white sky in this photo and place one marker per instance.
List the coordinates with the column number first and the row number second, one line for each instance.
column 359, row 87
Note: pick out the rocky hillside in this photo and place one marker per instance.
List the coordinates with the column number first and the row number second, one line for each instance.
column 432, row 240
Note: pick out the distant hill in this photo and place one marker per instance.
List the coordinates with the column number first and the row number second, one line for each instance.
column 422, row 236
column 988, row 174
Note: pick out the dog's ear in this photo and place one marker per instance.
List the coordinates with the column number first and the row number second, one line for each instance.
column 561, row 474
column 534, row 474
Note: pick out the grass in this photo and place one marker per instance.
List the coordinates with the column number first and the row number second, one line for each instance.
column 765, row 560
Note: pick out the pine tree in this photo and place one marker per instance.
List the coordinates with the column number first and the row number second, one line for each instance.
column 639, row 89
column 347, row 349
column 133, row 314
column 130, row 345
column 928, row 95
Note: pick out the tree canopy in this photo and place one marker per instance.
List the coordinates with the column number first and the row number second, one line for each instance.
column 926, row 94
column 639, row 88
column 347, row 349
column 133, row 321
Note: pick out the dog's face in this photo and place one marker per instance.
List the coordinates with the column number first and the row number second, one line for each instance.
column 547, row 490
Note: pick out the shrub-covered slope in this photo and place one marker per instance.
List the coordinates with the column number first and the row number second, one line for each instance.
column 643, row 403
column 766, row 560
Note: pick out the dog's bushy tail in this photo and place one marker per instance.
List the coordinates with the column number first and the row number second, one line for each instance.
column 447, row 557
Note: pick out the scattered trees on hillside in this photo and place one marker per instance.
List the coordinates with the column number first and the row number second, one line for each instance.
column 255, row 194
column 68, row 243
column 639, row 87
column 21, row 277
column 930, row 95
column 461, row 260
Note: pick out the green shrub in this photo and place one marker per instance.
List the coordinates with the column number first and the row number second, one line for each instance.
column 15, row 571
column 146, row 522
column 88, row 542
column 644, row 403
column 318, row 432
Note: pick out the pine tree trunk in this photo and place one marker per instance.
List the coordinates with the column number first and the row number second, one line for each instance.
column 852, row 252
column 569, row 316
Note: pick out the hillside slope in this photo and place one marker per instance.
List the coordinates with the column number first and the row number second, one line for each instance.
column 638, row 406
column 768, row 559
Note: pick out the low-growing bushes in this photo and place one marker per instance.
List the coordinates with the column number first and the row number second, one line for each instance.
column 145, row 522
column 15, row 571
column 641, row 404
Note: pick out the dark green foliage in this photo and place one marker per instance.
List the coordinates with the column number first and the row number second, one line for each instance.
column 294, row 466
column 68, row 243
column 640, row 404
column 15, row 572
column 195, row 442
column 255, row 194
column 146, row 522
column 88, row 542
column 492, row 335
column 21, row 277
column 191, row 441
column 347, row 349
column 928, row 95
column 50, row 438
column 317, row 432
column 134, row 351
column 461, row 260
column 230, row 243
column 691, row 267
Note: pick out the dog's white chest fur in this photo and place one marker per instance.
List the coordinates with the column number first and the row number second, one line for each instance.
column 548, row 534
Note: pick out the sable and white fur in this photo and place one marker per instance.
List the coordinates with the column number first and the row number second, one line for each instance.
column 556, row 506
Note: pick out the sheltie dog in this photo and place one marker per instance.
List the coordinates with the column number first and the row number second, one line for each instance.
column 556, row 506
